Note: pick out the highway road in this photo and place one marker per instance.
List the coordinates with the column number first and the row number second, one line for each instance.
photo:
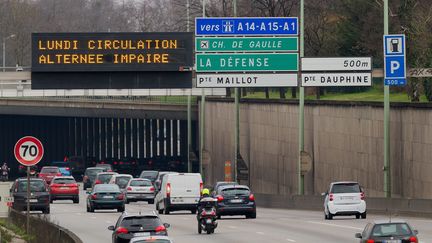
column 271, row 225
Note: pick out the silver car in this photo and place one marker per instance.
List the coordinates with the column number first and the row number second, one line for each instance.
column 152, row 239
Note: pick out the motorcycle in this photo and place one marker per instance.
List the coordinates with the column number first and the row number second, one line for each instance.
column 207, row 216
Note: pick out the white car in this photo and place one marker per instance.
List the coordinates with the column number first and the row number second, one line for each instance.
column 179, row 191
column 152, row 239
column 344, row 198
column 140, row 189
column 121, row 180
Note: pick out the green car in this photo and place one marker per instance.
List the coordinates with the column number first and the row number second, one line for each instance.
column 105, row 196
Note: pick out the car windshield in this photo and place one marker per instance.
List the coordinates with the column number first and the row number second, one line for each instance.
column 140, row 183
column 94, row 172
column 35, row 186
column 152, row 175
column 346, row 188
column 122, row 181
column 46, row 170
column 105, row 178
column 64, row 181
column 147, row 222
column 391, row 229
column 106, row 188
column 235, row 192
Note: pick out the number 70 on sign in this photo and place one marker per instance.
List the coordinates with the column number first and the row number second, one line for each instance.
column 28, row 151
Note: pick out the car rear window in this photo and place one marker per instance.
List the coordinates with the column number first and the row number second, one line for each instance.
column 235, row 192
column 93, row 172
column 64, row 181
column 346, row 188
column 122, row 181
column 35, row 186
column 104, row 166
column 50, row 170
column 147, row 222
column 105, row 178
column 391, row 229
column 140, row 183
column 106, row 188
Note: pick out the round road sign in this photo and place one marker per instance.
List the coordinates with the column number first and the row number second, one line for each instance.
column 28, row 151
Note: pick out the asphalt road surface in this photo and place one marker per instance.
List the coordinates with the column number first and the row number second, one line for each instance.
column 271, row 225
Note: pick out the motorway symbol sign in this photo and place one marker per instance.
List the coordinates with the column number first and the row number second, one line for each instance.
column 246, row 26
column 337, row 64
column 238, row 62
column 28, row 151
column 336, row 79
column 247, row 80
column 246, row 44
column 394, row 60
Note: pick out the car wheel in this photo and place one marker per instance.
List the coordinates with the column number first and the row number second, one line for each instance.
column 193, row 211
column 127, row 201
column 160, row 211
column 121, row 209
column 363, row 215
column 166, row 211
column 330, row 216
column 51, row 200
column 151, row 202
column 76, row 200
column 218, row 217
column 357, row 216
column 325, row 216
column 88, row 209
column 251, row 215
column 199, row 228
column 46, row 210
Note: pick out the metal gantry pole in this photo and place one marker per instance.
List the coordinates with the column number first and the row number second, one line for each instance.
column 301, row 106
column 4, row 53
column 236, row 117
column 387, row 167
column 202, row 117
column 189, row 103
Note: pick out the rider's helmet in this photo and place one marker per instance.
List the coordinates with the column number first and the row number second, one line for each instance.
column 205, row 192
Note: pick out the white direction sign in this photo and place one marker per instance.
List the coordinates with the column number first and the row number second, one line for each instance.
column 336, row 64
column 246, row 80
column 336, row 79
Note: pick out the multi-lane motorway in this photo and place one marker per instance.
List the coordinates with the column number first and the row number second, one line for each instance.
column 271, row 225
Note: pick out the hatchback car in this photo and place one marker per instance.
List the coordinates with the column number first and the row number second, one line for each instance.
column 235, row 200
column 151, row 239
column 39, row 195
column 129, row 226
column 395, row 230
column 49, row 172
column 64, row 188
column 121, row 180
column 90, row 176
column 107, row 167
column 149, row 174
column 344, row 198
column 103, row 177
column 105, row 196
column 139, row 189
column 222, row 183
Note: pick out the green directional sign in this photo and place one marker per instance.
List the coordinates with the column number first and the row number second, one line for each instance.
column 246, row 44
column 238, row 62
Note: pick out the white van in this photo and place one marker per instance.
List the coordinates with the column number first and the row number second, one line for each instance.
column 179, row 191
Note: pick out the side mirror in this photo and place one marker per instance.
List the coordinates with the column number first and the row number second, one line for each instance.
column 415, row 232
column 111, row 227
column 166, row 225
column 358, row 235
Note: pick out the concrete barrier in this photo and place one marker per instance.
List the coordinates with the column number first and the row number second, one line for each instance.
column 393, row 206
column 43, row 230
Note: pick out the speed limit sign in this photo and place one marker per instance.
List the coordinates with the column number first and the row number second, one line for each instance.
column 28, row 151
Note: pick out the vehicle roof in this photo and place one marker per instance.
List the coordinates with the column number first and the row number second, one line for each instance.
column 94, row 168
column 234, row 186
column 344, row 182
column 150, row 171
column 144, row 214
column 31, row 178
column 387, row 221
column 226, row 182
column 49, row 167
column 155, row 237
column 107, row 173
column 61, row 177
column 106, row 185
column 119, row 175
column 140, row 179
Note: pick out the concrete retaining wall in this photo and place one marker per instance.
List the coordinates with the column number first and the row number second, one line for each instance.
column 345, row 140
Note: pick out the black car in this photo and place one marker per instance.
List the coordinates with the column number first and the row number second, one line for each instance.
column 235, row 200
column 127, row 165
column 150, row 175
column 39, row 195
column 388, row 231
column 90, row 176
column 222, row 183
column 135, row 225
column 106, row 196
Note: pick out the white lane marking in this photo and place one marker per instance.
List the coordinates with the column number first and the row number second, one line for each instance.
column 260, row 233
column 78, row 213
column 335, row 225
column 93, row 217
column 290, row 240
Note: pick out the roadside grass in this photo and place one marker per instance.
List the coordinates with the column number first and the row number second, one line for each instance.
column 15, row 229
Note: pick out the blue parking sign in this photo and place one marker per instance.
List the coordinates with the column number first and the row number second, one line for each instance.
column 394, row 60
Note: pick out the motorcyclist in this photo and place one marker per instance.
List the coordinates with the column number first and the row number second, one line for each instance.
column 5, row 171
column 206, row 201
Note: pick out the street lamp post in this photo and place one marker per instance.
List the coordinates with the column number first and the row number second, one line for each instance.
column 4, row 50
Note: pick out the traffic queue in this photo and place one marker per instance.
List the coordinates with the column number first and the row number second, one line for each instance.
column 171, row 191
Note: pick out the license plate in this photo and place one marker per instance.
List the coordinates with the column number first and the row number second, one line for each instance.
column 346, row 198
column 393, row 241
column 33, row 200
column 236, row 201
column 64, row 188
column 141, row 234
column 110, row 197
column 177, row 200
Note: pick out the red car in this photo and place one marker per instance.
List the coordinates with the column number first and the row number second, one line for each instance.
column 49, row 172
column 64, row 188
